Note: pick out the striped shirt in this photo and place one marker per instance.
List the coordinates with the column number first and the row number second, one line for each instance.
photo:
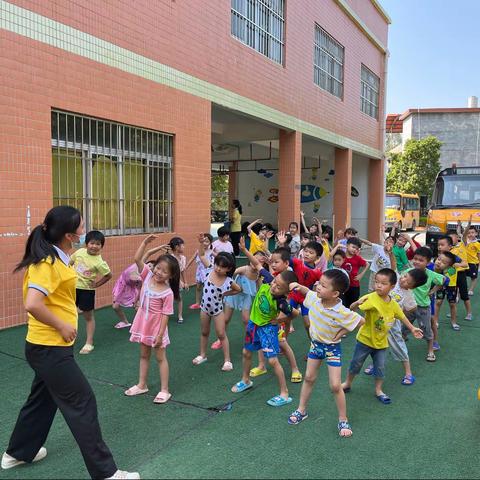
column 325, row 322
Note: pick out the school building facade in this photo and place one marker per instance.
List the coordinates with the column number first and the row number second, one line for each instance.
column 126, row 109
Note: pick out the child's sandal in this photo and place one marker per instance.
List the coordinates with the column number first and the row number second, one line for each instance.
column 296, row 417
column 344, row 429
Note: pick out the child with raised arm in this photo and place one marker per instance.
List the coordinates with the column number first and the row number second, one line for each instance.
column 259, row 235
column 279, row 262
column 329, row 319
column 372, row 338
column 262, row 331
column 150, row 326
column 473, row 254
column 201, row 271
column 126, row 290
column 218, row 284
column 383, row 257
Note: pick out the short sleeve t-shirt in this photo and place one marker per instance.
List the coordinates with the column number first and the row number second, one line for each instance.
column 379, row 318
column 352, row 265
column 307, row 276
column 401, row 257
column 219, row 246
column 404, row 298
column 421, row 293
column 88, row 268
column 266, row 307
column 325, row 322
column 460, row 250
column 452, row 273
column 57, row 281
column 380, row 258
column 257, row 245
column 473, row 249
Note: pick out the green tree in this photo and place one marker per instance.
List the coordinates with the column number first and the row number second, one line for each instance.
column 414, row 170
column 219, row 192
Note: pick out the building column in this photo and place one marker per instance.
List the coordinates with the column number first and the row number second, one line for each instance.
column 232, row 186
column 376, row 198
column 342, row 196
column 289, row 178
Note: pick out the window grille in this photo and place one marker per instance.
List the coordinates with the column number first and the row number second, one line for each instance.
column 328, row 63
column 370, row 88
column 119, row 176
column 260, row 24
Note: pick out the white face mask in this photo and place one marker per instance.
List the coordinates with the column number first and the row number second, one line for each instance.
column 81, row 241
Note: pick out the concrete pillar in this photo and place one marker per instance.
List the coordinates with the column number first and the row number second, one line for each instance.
column 289, row 178
column 376, row 198
column 342, row 197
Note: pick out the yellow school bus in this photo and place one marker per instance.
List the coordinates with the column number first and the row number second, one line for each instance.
column 403, row 208
column 456, row 197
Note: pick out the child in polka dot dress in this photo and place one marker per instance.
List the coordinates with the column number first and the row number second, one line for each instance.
column 218, row 284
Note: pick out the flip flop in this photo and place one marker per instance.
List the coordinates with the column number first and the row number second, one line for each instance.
column 241, row 386
column 162, row 397
column 344, row 425
column 296, row 377
column 198, row 360
column 256, row 372
column 385, row 399
column 86, row 349
column 278, row 401
column 296, row 417
column 227, row 366
column 408, row 380
column 122, row 324
column 135, row 390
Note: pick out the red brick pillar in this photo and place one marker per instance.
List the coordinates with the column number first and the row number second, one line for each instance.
column 289, row 178
column 376, row 195
column 342, row 196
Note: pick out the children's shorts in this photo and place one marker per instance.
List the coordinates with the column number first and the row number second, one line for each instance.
column 85, row 300
column 332, row 352
column 472, row 271
column 423, row 316
column 449, row 293
column 295, row 304
column 360, row 354
column 264, row 338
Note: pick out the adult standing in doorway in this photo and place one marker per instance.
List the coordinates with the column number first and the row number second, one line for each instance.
column 49, row 298
column 236, row 226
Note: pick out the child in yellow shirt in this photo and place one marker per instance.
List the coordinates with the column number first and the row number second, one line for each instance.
column 92, row 272
column 372, row 338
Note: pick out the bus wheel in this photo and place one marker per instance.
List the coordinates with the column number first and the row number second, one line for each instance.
column 414, row 225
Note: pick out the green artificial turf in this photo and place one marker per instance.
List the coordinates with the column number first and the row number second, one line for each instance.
column 431, row 430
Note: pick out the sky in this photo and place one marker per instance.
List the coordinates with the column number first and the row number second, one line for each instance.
column 434, row 53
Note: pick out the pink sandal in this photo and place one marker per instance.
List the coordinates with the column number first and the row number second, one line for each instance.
column 135, row 390
column 198, row 360
column 162, row 397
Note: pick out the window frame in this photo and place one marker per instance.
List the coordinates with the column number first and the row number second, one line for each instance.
column 366, row 90
column 318, row 68
column 246, row 26
column 88, row 151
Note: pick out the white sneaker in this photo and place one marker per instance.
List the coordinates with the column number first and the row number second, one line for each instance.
column 468, row 317
column 9, row 462
column 122, row 474
column 470, row 293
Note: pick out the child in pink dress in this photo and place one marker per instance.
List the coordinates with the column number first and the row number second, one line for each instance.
column 127, row 288
column 149, row 328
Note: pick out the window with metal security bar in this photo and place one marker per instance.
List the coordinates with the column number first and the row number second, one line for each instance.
column 328, row 62
column 119, row 176
column 260, row 24
column 369, row 93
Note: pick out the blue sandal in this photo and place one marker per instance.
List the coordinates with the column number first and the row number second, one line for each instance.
column 344, row 426
column 296, row 417
column 278, row 401
column 385, row 399
column 241, row 386
column 408, row 380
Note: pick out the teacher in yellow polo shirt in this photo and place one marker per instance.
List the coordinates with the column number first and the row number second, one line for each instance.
column 59, row 384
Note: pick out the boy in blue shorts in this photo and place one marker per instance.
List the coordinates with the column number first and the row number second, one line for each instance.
column 262, row 331
column 329, row 320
